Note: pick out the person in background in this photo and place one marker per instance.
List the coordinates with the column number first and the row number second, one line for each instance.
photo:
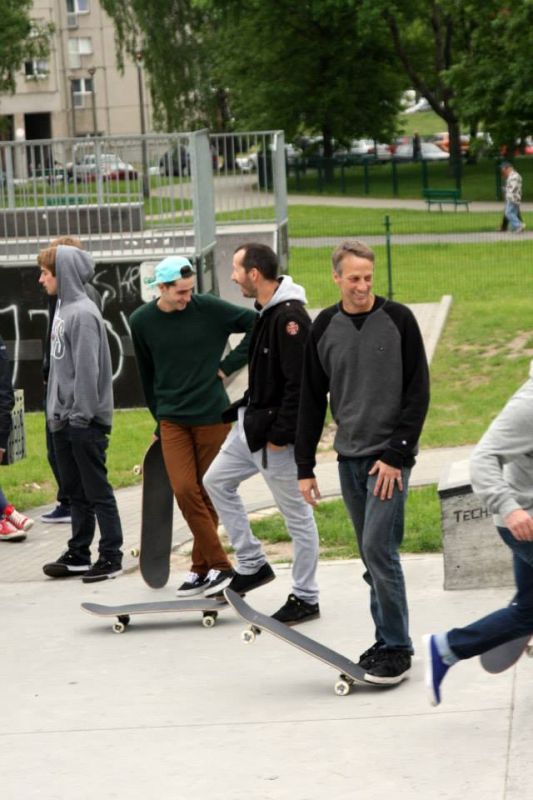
column 13, row 524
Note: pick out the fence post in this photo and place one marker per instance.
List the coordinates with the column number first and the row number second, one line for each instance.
column 390, row 292
column 424, row 168
column 394, row 178
column 366, row 180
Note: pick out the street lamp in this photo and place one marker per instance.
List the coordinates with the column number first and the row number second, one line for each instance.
column 139, row 58
column 92, row 71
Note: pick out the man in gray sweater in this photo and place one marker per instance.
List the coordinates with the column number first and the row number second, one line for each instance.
column 79, row 408
column 502, row 476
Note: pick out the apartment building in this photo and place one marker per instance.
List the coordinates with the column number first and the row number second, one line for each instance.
column 77, row 90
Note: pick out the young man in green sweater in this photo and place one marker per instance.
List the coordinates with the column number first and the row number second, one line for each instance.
column 179, row 341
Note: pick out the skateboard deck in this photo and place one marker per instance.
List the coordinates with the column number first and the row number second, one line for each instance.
column 506, row 655
column 209, row 609
column 350, row 673
column 156, row 519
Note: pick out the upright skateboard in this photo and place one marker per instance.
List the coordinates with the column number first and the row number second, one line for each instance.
column 209, row 609
column 156, row 518
column 506, row 655
column 351, row 674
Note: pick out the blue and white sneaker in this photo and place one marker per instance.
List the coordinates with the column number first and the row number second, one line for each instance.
column 435, row 669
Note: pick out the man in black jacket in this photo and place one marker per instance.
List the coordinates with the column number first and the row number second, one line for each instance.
column 263, row 438
column 367, row 354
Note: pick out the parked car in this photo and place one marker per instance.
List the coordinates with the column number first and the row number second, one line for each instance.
column 428, row 152
column 442, row 140
column 177, row 162
column 109, row 166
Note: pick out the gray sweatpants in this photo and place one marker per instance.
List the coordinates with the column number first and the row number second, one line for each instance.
column 234, row 464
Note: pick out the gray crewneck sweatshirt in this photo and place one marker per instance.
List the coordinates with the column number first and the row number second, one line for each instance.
column 501, row 466
column 80, row 384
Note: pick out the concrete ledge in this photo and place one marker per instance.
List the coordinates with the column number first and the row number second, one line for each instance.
column 474, row 555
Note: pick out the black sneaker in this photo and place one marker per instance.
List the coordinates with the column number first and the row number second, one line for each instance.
column 60, row 514
column 245, row 583
column 67, row 566
column 101, row 570
column 218, row 579
column 367, row 658
column 389, row 667
column 193, row 584
column 295, row 611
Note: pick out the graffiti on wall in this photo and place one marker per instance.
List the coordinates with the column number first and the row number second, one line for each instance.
column 24, row 321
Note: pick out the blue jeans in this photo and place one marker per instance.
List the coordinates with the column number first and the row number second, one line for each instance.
column 81, row 457
column 379, row 526
column 511, row 212
column 508, row 623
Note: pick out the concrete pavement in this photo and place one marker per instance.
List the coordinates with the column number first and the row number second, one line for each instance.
column 172, row 709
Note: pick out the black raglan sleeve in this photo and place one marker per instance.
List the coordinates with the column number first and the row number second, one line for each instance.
column 415, row 393
column 313, row 401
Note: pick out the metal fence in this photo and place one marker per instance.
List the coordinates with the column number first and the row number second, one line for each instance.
column 134, row 196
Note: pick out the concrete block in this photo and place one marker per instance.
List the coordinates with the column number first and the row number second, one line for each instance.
column 474, row 555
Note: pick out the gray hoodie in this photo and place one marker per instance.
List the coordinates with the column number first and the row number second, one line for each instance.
column 80, row 384
column 501, row 466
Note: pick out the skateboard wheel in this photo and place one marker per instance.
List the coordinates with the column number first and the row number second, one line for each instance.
column 209, row 620
column 135, row 552
column 119, row 627
column 342, row 688
column 248, row 636
column 137, row 469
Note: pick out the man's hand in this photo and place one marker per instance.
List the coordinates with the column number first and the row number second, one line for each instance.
column 272, row 446
column 1, row 455
column 221, row 375
column 520, row 524
column 387, row 479
column 309, row 490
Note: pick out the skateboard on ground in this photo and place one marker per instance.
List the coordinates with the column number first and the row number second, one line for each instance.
column 506, row 655
column 209, row 609
column 350, row 673
column 156, row 519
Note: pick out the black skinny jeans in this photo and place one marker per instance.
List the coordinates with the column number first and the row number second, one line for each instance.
column 81, row 459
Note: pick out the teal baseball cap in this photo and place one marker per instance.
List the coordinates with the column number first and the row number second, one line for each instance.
column 172, row 268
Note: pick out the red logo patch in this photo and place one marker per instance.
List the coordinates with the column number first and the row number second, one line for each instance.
column 292, row 328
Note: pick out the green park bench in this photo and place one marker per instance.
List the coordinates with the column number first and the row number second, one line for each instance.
column 441, row 197
column 65, row 200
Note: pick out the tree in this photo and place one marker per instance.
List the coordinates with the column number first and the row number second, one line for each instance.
column 21, row 39
column 493, row 79
column 172, row 35
column 317, row 66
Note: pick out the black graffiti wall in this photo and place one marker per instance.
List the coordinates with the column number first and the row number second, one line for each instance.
column 24, row 319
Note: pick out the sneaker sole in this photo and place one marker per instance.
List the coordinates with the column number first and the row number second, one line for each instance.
column 12, row 537
column 291, row 623
column 382, row 680
column 189, row 592
column 59, row 571
column 253, row 586
column 428, row 671
column 218, row 588
column 96, row 578
column 64, row 521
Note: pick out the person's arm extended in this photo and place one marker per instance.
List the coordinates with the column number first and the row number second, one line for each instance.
column 238, row 320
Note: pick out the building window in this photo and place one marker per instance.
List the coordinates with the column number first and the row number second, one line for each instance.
column 82, row 89
column 36, row 69
column 78, row 47
column 78, row 6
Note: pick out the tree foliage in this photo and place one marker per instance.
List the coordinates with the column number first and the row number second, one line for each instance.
column 21, row 39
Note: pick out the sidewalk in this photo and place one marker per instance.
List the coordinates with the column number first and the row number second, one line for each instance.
column 172, row 709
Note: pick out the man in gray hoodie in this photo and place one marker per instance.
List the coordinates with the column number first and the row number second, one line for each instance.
column 79, row 407
column 501, row 469
column 263, row 438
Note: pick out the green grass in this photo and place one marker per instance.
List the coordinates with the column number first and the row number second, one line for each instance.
column 337, row 538
column 426, row 123
column 312, row 221
column 478, row 180
column 487, row 345
column 30, row 482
